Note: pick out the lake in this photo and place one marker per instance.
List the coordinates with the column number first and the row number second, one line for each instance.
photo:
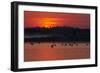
column 45, row 51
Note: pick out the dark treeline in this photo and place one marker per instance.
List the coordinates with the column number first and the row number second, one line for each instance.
column 58, row 34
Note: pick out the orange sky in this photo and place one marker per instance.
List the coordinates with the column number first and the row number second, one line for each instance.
column 54, row 19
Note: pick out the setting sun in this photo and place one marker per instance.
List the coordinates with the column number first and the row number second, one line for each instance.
column 53, row 19
column 47, row 22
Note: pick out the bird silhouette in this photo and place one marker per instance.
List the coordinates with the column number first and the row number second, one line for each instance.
column 76, row 44
column 52, row 46
column 65, row 44
column 32, row 43
column 87, row 44
column 70, row 44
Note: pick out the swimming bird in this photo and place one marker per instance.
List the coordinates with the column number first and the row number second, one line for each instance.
column 31, row 43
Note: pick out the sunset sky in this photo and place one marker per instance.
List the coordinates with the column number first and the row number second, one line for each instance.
column 53, row 19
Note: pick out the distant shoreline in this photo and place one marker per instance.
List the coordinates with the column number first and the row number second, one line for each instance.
column 60, row 34
column 57, row 41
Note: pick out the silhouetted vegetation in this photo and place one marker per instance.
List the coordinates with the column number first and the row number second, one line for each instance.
column 56, row 34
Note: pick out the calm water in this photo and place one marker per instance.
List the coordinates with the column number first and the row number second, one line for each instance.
column 41, row 51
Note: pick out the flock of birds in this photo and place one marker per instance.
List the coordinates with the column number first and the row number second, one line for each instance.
column 63, row 44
